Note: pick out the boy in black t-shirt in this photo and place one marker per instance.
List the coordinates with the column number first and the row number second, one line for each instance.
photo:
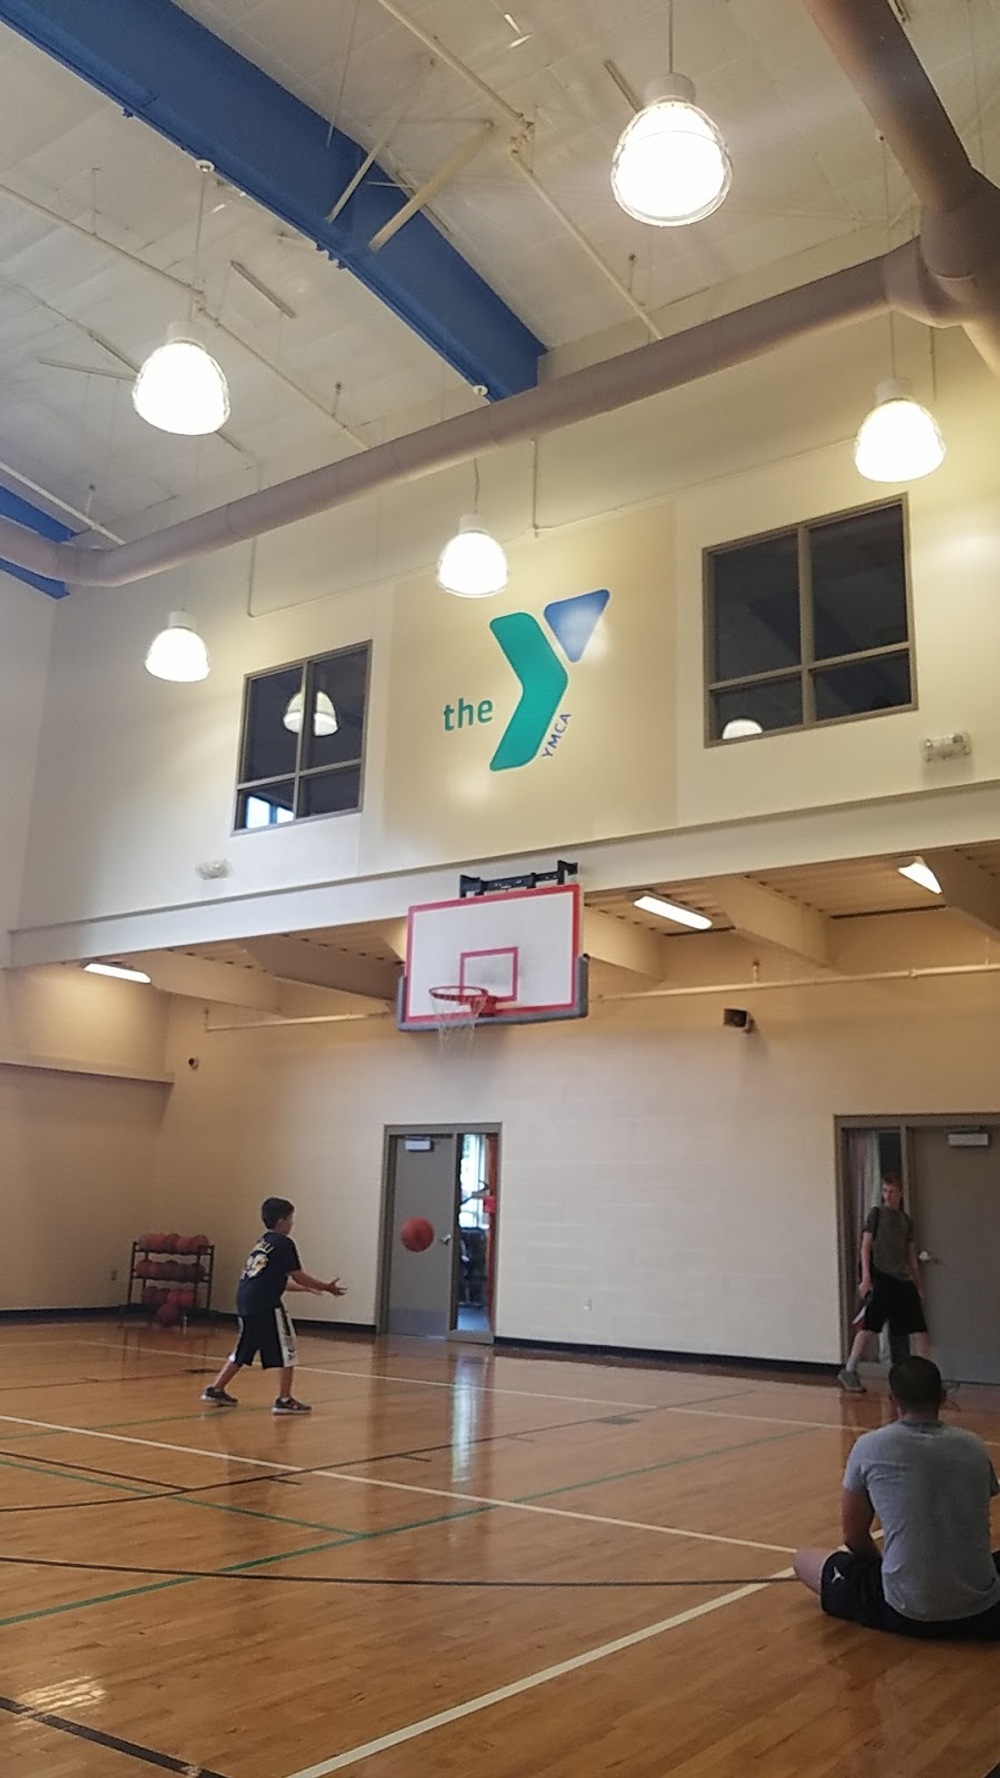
column 264, row 1323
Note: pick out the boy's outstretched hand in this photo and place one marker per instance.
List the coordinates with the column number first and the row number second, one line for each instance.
column 335, row 1288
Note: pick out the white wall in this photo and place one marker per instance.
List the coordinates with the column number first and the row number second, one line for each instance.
column 136, row 779
column 26, row 622
column 679, row 1176
column 81, row 1102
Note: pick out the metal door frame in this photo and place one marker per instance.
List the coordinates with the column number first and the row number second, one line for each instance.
column 907, row 1123
column 393, row 1133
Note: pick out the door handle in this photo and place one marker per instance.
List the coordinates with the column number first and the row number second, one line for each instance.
column 445, row 1240
column 928, row 1259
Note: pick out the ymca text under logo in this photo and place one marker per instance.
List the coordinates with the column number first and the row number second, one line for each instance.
column 541, row 673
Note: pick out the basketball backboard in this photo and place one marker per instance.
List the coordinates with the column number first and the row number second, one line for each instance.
column 517, row 953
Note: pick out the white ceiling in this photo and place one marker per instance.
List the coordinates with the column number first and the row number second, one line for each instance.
column 808, row 172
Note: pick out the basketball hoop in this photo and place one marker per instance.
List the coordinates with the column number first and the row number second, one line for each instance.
column 460, row 1010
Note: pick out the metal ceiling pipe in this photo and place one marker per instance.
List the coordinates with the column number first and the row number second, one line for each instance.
column 854, row 294
column 960, row 225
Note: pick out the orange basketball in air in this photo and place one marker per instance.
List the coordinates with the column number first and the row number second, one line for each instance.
column 417, row 1234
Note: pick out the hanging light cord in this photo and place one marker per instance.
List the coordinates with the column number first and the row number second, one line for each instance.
column 475, row 485
column 670, row 36
column 194, row 294
column 893, row 368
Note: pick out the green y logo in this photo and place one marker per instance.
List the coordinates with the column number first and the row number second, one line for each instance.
column 541, row 674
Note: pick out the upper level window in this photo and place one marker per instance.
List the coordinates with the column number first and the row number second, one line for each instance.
column 810, row 624
column 303, row 740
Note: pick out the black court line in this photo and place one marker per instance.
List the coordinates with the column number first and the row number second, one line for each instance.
column 149, row 1756
column 368, row 1580
column 174, row 1491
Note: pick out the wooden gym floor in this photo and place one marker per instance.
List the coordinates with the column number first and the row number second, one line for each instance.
column 461, row 1563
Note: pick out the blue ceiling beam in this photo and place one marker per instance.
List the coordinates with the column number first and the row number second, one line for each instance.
column 34, row 519
column 158, row 63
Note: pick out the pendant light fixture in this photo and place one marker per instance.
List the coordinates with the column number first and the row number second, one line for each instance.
column 740, row 728
column 899, row 440
column 324, row 715
column 180, row 388
column 671, row 165
column 178, row 653
column 472, row 564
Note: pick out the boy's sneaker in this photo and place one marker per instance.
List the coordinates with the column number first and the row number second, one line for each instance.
column 850, row 1382
column 287, row 1404
column 219, row 1397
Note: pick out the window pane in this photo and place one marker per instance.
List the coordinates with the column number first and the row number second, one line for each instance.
column 756, row 607
column 331, row 793
column 863, row 687
column 778, row 704
column 859, row 582
column 335, row 694
column 269, row 747
column 266, row 807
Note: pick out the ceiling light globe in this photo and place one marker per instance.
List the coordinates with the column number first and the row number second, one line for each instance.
column 178, row 653
column 181, row 389
column 740, row 728
column 324, row 715
column 473, row 564
column 899, row 441
column 671, row 165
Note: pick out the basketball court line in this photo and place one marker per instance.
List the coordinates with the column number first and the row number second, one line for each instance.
column 531, row 1681
column 165, row 1762
column 335, row 1475
column 546, row 1395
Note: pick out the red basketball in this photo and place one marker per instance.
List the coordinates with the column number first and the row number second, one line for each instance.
column 168, row 1315
column 417, row 1234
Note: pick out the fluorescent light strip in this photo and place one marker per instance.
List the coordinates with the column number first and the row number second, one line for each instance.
column 668, row 910
column 921, row 874
column 119, row 970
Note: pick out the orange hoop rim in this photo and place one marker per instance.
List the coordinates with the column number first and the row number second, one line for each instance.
column 477, row 1001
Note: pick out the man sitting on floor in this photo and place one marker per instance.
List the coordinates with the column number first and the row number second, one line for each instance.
column 931, row 1486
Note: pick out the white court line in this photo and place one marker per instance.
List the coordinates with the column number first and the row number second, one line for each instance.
column 473, row 1706
column 336, row 1475
column 595, row 1401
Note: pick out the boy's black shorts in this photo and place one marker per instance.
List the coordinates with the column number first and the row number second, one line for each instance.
column 269, row 1332
column 896, row 1301
column 851, row 1588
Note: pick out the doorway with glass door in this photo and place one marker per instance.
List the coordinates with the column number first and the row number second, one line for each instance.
column 441, row 1191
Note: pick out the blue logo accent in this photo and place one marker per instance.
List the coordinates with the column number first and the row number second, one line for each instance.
column 536, row 727
column 573, row 621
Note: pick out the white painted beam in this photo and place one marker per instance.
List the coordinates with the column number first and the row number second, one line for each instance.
column 610, row 940
column 762, row 916
column 319, row 966
column 198, row 979
column 967, row 890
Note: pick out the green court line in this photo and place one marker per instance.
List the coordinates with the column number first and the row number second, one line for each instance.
column 624, row 1475
column 159, row 1586
column 166, row 1496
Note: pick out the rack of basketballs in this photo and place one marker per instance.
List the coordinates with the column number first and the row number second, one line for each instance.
column 171, row 1277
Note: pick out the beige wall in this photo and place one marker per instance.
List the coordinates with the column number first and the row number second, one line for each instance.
column 26, row 621
column 80, row 1118
column 136, row 778
column 678, row 1176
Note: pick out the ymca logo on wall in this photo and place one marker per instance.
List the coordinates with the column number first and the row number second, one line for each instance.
column 539, row 720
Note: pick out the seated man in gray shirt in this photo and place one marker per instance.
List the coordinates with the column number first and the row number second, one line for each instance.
column 931, row 1486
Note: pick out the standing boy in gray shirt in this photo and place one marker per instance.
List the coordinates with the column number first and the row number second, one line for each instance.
column 931, row 1486
column 890, row 1282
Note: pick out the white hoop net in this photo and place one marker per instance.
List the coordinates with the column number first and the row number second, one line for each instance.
column 460, row 1010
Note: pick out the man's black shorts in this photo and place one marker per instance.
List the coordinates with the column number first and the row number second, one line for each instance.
column 896, row 1301
column 851, row 1588
column 269, row 1332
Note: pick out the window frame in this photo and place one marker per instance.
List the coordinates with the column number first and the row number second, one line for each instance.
column 808, row 665
column 300, row 774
